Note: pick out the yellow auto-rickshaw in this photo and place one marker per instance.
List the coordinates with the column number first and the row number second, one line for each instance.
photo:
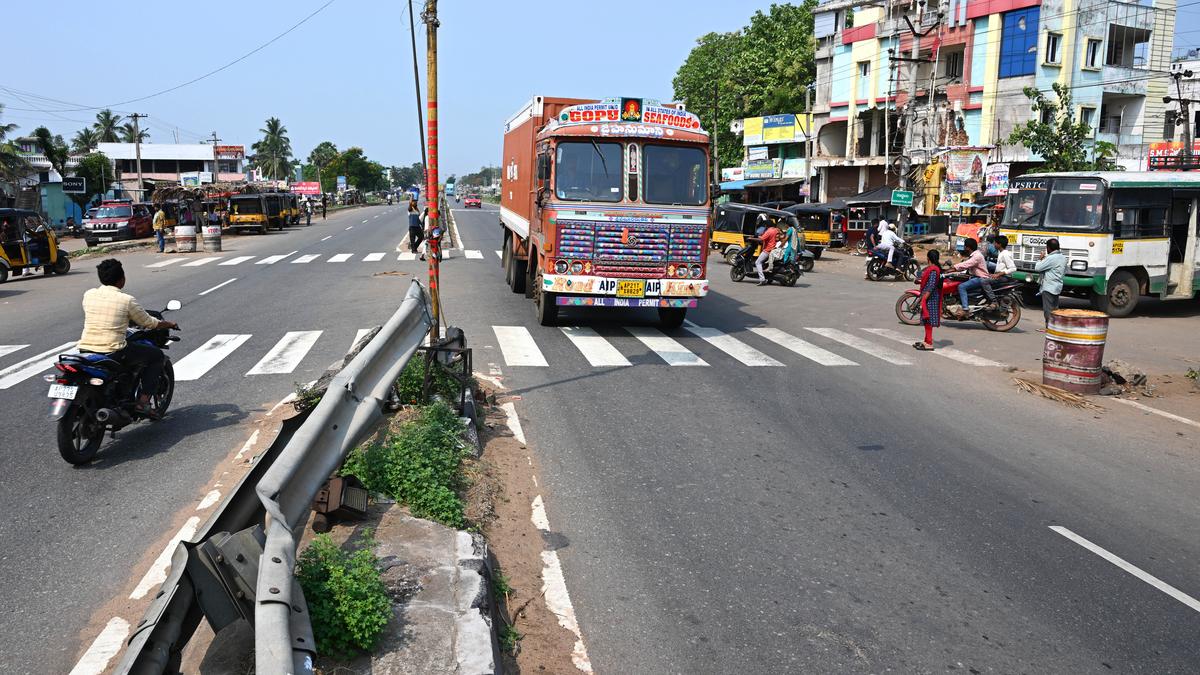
column 248, row 212
column 27, row 242
column 276, row 209
column 734, row 222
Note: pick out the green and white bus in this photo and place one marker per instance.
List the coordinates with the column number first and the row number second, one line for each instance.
column 1125, row 234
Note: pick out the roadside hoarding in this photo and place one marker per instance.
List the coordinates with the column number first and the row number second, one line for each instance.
column 307, row 188
column 733, row 173
column 757, row 152
column 996, row 180
column 760, row 168
column 234, row 152
column 74, row 185
column 773, row 129
column 341, row 183
column 794, row 167
column 967, row 166
column 190, row 179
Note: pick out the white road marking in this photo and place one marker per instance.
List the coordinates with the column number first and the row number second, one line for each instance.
column 1189, row 601
column 500, row 255
column 202, row 261
column 554, row 588
column 732, row 346
column 164, row 263
column 364, row 220
column 287, row 353
column 195, row 365
column 223, row 283
column 406, row 257
column 948, row 352
column 19, row 372
column 806, row 349
column 254, row 436
column 158, row 571
column 5, row 350
column 340, row 257
column 373, row 257
column 212, row 497
column 598, row 351
column 862, row 345
column 106, row 645
column 667, row 348
column 272, row 259
column 305, row 258
column 518, row 346
column 238, row 260
column 362, row 332
column 330, row 236
column 1156, row 411
column 514, row 422
column 474, row 255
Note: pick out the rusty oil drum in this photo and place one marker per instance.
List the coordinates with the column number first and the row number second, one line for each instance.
column 1074, row 350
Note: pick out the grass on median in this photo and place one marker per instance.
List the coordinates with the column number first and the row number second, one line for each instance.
column 347, row 599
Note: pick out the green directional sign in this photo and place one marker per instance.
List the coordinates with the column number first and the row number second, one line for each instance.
column 902, row 198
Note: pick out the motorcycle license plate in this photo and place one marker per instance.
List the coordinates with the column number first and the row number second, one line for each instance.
column 635, row 288
column 63, row 391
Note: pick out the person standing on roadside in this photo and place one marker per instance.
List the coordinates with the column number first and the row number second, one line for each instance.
column 324, row 205
column 931, row 299
column 160, row 225
column 415, row 232
column 1052, row 267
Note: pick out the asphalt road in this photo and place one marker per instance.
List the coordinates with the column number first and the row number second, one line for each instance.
column 75, row 540
column 850, row 506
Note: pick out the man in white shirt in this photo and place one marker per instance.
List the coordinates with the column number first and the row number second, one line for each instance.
column 888, row 239
column 1005, row 266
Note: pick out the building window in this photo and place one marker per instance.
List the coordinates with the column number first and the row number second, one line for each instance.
column 864, row 68
column 1087, row 115
column 1018, row 42
column 1127, row 47
column 1046, row 116
column 1092, row 55
column 954, row 65
column 1054, row 48
column 1110, row 120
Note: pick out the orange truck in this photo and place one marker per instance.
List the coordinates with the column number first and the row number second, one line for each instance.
column 605, row 203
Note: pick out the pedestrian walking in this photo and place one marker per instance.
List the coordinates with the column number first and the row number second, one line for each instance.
column 1052, row 266
column 160, row 224
column 415, row 232
column 931, row 299
column 324, row 205
column 307, row 213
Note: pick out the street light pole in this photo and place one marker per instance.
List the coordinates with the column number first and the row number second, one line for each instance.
column 433, row 249
column 137, row 149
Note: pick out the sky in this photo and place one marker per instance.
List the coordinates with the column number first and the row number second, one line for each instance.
column 346, row 74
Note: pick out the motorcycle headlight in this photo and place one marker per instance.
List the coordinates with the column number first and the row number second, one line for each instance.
column 697, row 271
column 560, row 267
column 576, row 267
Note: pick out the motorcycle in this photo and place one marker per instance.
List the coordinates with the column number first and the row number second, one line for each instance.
column 904, row 264
column 742, row 264
column 93, row 393
column 1002, row 319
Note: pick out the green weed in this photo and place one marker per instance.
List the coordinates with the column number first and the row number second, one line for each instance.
column 413, row 376
column 500, row 585
column 509, row 638
column 347, row 599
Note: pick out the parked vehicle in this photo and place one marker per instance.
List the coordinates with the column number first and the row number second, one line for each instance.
column 117, row 220
column 276, row 209
column 904, row 264
column 742, row 265
column 93, row 393
column 823, row 224
column 606, row 205
column 248, row 212
column 473, row 201
column 1002, row 319
column 26, row 242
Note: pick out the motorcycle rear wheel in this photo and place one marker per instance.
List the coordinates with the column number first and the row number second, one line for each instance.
column 1012, row 316
column 79, row 438
column 908, row 309
column 874, row 269
column 806, row 265
column 737, row 271
column 789, row 277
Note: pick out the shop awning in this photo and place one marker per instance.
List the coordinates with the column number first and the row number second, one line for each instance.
column 775, row 182
column 735, row 185
column 879, row 195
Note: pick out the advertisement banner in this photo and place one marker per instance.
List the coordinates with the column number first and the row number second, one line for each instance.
column 231, row 151
column 341, row 182
column 794, row 167
column 307, row 188
column 782, row 129
column 1169, row 148
column 733, row 173
column 760, row 169
column 967, row 167
column 757, row 152
column 996, row 180
column 190, row 179
column 752, row 132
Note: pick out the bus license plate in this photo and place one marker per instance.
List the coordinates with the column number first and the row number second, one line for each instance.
column 63, row 391
column 635, row 288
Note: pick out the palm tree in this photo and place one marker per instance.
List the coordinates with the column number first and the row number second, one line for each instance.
column 322, row 156
column 108, row 125
column 12, row 164
column 54, row 148
column 128, row 135
column 86, row 140
column 273, row 153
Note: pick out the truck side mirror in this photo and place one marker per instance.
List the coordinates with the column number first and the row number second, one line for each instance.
column 543, row 167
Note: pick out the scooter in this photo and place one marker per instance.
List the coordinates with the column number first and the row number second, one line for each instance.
column 94, row 393
column 904, row 264
column 1002, row 319
column 742, row 264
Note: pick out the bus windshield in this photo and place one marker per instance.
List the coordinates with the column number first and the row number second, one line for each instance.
column 588, row 171
column 1026, row 202
column 1075, row 204
column 675, row 175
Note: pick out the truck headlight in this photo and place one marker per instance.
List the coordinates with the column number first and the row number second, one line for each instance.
column 1079, row 265
column 560, row 267
column 576, row 267
column 697, row 271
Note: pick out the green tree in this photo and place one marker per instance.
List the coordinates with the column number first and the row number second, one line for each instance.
column 703, row 73
column 86, row 140
column 1061, row 142
column 128, row 135
column 408, row 176
column 273, row 154
column 108, row 125
column 96, row 170
column 53, row 148
column 12, row 164
column 320, row 158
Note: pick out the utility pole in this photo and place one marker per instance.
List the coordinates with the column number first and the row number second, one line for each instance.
column 216, row 159
column 1178, row 74
column 909, row 114
column 808, row 142
column 432, row 196
column 417, row 86
column 716, row 159
column 137, row 149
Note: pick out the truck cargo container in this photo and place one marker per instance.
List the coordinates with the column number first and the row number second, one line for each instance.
column 605, row 203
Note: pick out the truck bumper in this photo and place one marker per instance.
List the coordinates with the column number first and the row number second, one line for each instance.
column 596, row 291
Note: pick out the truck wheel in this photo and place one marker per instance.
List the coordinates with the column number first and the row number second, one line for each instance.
column 547, row 308
column 518, row 273
column 1121, row 298
column 671, row 317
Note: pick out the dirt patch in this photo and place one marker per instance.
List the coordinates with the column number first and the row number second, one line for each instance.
column 391, row 273
column 508, row 474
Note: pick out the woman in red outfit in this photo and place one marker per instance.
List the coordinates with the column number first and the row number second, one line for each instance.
column 931, row 299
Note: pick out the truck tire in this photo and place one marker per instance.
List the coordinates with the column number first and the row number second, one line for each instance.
column 518, row 271
column 1121, row 296
column 671, row 317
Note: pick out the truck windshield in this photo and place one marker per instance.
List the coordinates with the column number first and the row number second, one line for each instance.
column 588, row 171
column 1026, row 203
column 114, row 212
column 245, row 206
column 1075, row 204
column 675, row 175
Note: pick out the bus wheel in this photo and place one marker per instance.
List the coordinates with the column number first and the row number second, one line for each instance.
column 1121, row 298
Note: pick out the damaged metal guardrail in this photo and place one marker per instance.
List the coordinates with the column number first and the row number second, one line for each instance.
column 242, row 563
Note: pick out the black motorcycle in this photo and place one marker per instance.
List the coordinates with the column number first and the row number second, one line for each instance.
column 904, row 264
column 94, row 393
column 742, row 264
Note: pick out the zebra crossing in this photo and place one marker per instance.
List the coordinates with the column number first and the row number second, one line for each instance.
column 838, row 348
column 283, row 356
column 373, row 257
